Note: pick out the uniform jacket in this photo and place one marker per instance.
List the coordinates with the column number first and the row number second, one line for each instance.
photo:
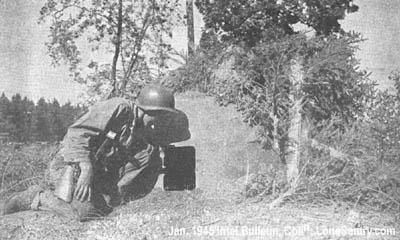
column 116, row 116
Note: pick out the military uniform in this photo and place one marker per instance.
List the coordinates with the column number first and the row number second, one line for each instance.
column 125, row 159
column 120, row 148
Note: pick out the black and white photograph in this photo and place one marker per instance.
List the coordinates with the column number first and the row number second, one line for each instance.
column 199, row 119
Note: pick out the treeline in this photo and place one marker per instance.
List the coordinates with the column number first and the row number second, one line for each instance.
column 21, row 120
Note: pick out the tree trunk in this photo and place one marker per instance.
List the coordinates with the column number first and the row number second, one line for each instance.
column 137, row 47
column 295, row 129
column 115, row 91
column 190, row 27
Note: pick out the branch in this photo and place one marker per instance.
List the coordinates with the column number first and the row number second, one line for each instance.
column 332, row 151
column 137, row 49
column 19, row 183
column 290, row 191
column 58, row 13
column 386, row 195
column 5, row 171
column 181, row 55
column 117, row 51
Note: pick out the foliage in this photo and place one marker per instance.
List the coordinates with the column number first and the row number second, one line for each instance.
column 345, row 110
column 255, row 21
column 369, row 175
column 263, row 86
column 357, row 165
column 244, row 20
column 395, row 77
column 25, row 121
column 384, row 118
column 333, row 83
column 131, row 31
column 196, row 74
column 265, row 49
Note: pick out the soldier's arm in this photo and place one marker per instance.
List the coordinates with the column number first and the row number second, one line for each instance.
column 103, row 117
column 106, row 116
column 76, row 149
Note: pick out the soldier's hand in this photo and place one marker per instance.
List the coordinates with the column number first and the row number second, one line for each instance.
column 83, row 189
column 143, row 156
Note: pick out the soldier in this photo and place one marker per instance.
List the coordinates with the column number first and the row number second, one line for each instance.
column 108, row 156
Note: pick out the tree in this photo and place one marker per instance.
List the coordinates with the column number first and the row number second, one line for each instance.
column 41, row 121
column 324, row 15
column 56, row 121
column 251, row 21
column 329, row 86
column 28, row 109
column 24, row 121
column 17, row 114
column 4, row 110
column 190, row 27
column 124, row 29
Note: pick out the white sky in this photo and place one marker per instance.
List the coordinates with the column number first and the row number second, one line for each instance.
column 25, row 67
column 379, row 22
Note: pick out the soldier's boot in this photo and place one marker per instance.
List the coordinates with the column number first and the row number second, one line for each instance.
column 75, row 210
column 20, row 201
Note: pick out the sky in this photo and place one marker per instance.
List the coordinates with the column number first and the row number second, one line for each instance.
column 25, row 67
column 379, row 23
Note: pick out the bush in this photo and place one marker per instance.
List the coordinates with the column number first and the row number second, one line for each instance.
column 369, row 172
column 194, row 75
column 260, row 82
column 357, row 165
column 197, row 73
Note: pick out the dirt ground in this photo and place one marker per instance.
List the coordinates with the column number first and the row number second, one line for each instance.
column 216, row 209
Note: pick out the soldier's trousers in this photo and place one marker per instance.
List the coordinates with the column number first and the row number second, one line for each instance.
column 123, row 184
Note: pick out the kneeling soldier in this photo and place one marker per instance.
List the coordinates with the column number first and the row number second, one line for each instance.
column 108, row 156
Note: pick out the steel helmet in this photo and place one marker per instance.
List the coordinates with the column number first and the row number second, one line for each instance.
column 154, row 97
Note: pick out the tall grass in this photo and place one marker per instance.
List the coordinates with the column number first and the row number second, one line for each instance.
column 23, row 165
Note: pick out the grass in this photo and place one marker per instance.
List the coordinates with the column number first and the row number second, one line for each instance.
column 23, row 165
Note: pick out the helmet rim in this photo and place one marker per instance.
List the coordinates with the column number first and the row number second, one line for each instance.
column 155, row 108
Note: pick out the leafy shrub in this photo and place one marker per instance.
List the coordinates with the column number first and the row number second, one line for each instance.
column 252, row 21
column 263, row 87
column 369, row 172
column 357, row 163
column 359, row 174
column 194, row 75
column 197, row 73
column 347, row 114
